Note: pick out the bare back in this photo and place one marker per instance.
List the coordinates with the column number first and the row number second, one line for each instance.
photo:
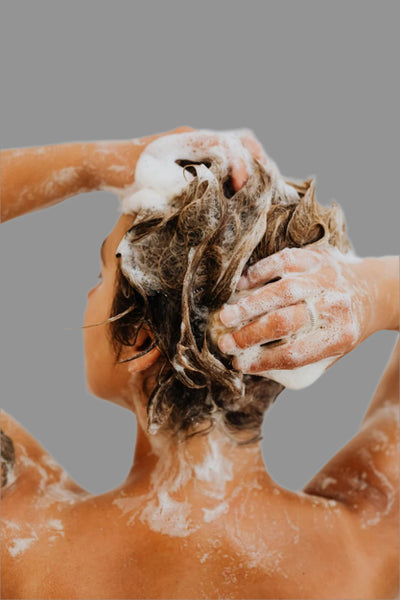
column 339, row 538
column 60, row 542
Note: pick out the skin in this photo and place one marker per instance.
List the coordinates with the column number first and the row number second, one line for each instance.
column 346, row 305
column 337, row 538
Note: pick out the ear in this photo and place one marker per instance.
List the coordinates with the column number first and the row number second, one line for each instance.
column 144, row 362
column 141, row 363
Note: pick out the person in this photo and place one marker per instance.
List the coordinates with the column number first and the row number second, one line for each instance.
column 198, row 515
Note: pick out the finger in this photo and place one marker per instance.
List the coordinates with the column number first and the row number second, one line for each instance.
column 269, row 327
column 238, row 169
column 239, row 174
column 289, row 260
column 251, row 143
column 183, row 129
column 266, row 299
column 305, row 350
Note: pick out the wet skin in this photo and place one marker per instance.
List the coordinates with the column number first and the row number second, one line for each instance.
column 218, row 525
column 243, row 538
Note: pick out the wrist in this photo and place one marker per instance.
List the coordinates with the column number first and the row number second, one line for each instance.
column 111, row 164
column 383, row 286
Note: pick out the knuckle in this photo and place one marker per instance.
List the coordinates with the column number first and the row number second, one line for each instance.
column 266, row 327
column 286, row 252
column 260, row 267
column 242, row 338
column 290, row 288
column 349, row 335
column 253, row 273
column 289, row 358
column 285, row 255
column 343, row 302
column 242, row 306
column 280, row 322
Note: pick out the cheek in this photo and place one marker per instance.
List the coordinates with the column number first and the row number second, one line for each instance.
column 99, row 357
column 104, row 378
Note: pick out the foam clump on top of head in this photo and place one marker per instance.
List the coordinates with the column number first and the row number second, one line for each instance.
column 159, row 176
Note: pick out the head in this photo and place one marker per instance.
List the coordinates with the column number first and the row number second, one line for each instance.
column 164, row 278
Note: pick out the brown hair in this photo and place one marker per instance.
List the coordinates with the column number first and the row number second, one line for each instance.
column 182, row 268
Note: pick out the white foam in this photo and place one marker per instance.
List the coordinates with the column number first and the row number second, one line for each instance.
column 296, row 379
column 20, row 545
column 327, row 481
column 168, row 516
column 158, row 178
column 56, row 524
column 214, row 513
column 216, row 468
column 162, row 507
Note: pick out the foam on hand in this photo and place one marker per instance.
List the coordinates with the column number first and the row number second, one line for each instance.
column 293, row 379
column 159, row 178
column 296, row 379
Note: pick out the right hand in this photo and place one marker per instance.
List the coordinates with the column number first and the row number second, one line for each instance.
column 322, row 306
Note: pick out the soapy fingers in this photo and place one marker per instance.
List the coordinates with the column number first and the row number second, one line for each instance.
column 288, row 260
column 205, row 141
column 267, row 299
column 250, row 142
column 317, row 309
column 268, row 328
column 306, row 350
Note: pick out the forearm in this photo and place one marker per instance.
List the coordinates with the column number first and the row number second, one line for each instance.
column 384, row 283
column 387, row 393
column 35, row 178
column 386, row 316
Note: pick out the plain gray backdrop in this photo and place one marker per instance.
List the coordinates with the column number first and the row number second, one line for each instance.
column 318, row 84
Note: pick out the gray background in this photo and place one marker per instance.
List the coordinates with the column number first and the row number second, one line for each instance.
column 316, row 81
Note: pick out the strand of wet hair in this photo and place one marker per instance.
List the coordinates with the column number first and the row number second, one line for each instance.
column 109, row 320
column 140, row 354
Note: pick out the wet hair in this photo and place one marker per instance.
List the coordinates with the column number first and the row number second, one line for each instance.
column 183, row 267
column 7, row 457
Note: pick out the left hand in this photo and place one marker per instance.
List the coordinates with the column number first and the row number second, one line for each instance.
column 320, row 307
column 113, row 163
column 250, row 142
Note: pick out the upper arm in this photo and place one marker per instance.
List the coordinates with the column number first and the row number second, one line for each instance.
column 7, row 460
column 364, row 475
column 364, row 478
column 27, row 469
column 34, row 178
column 12, row 434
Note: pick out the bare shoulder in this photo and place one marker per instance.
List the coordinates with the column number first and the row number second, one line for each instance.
column 37, row 496
column 364, row 478
column 26, row 467
column 364, row 474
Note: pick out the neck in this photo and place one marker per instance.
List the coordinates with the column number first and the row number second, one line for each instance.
column 174, row 488
column 210, row 465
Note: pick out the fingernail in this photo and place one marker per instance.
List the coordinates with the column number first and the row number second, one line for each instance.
column 226, row 343
column 229, row 315
column 235, row 364
column 243, row 283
